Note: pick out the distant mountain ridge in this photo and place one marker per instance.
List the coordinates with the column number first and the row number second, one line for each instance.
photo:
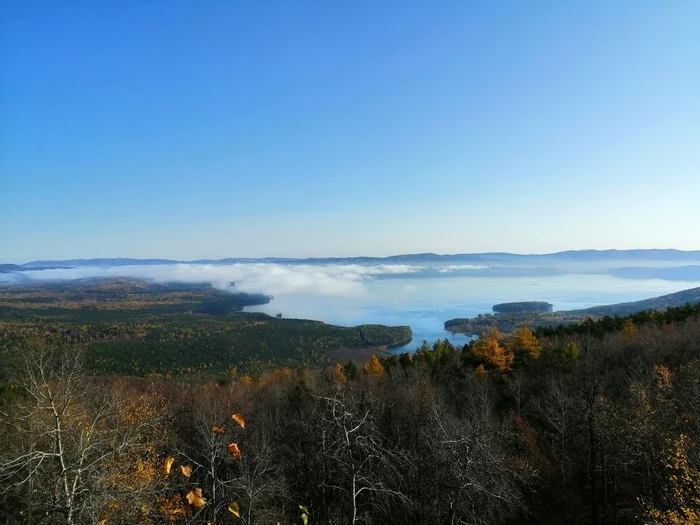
column 7, row 268
column 494, row 257
column 13, row 268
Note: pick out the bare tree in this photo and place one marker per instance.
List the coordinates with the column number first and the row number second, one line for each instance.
column 517, row 388
column 362, row 466
column 78, row 450
column 481, row 482
column 259, row 485
column 246, row 476
column 558, row 412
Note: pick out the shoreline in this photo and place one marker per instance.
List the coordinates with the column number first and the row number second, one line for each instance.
column 400, row 343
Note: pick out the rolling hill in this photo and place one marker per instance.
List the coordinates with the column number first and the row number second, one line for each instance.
column 506, row 322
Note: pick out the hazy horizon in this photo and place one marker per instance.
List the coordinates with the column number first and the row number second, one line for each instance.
column 420, row 295
column 352, row 256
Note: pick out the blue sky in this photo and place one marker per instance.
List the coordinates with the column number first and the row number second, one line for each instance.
column 211, row 129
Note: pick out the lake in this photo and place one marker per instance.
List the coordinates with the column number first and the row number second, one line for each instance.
column 422, row 296
column 426, row 303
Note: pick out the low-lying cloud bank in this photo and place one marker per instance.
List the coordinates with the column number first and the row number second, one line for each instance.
column 267, row 278
column 460, row 267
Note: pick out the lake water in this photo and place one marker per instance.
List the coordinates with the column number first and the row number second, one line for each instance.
column 425, row 304
column 422, row 296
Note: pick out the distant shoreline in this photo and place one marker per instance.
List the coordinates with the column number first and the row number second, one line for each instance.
column 506, row 322
column 400, row 343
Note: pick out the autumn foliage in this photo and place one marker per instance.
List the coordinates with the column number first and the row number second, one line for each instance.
column 506, row 429
column 374, row 368
column 488, row 349
column 523, row 342
column 682, row 493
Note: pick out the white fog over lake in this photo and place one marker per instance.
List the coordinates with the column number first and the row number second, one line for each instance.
column 422, row 296
column 426, row 303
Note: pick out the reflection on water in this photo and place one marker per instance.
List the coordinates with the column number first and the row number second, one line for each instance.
column 425, row 304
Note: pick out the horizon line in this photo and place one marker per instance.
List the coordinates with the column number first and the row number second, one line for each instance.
column 204, row 260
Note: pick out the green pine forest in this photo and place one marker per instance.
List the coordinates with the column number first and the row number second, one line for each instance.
column 134, row 328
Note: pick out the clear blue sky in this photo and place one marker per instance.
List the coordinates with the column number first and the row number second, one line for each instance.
column 248, row 128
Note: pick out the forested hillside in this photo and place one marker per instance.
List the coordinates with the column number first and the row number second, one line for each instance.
column 691, row 296
column 130, row 327
column 508, row 318
column 601, row 426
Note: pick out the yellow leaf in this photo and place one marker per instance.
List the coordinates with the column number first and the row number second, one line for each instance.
column 194, row 498
column 168, row 465
column 304, row 514
column 235, row 509
column 186, row 470
column 102, row 519
column 234, row 450
column 217, row 430
column 238, row 418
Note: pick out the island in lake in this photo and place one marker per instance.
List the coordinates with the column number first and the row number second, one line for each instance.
column 510, row 316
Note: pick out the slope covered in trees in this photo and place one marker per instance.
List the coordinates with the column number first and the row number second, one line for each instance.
column 507, row 321
column 136, row 328
column 691, row 296
column 600, row 427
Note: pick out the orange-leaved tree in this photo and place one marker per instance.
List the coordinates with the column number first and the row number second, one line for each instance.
column 374, row 368
column 524, row 343
column 487, row 348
